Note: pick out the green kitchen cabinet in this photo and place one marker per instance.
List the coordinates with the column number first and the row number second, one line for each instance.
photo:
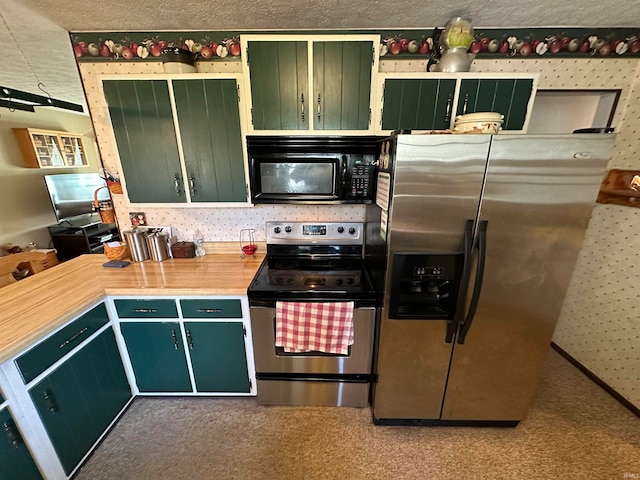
column 418, row 103
column 79, row 399
column 334, row 95
column 218, row 356
column 157, row 356
column 16, row 462
column 179, row 140
column 142, row 120
column 209, row 121
column 509, row 96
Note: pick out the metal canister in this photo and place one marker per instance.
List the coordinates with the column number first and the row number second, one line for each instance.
column 137, row 244
column 158, row 244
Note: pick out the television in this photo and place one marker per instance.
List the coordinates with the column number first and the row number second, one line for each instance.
column 72, row 195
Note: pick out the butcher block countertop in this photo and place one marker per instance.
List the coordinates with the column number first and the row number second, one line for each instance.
column 37, row 305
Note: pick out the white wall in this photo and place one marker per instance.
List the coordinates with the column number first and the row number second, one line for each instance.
column 25, row 209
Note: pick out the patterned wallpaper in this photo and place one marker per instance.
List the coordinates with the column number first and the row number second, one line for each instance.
column 598, row 325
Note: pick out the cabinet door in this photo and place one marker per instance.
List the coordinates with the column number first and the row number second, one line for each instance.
column 73, row 150
column 341, row 85
column 77, row 401
column 209, row 120
column 279, row 85
column 143, row 125
column 15, row 459
column 508, row 96
column 218, row 356
column 157, row 356
column 417, row 104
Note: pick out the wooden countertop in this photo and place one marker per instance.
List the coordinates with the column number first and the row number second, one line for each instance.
column 37, row 305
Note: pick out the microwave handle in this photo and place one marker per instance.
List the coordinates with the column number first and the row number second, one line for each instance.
column 345, row 188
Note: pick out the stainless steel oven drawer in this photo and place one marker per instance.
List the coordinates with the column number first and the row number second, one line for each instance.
column 267, row 359
column 309, row 392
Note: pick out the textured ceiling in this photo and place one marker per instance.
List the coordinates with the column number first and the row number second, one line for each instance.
column 36, row 48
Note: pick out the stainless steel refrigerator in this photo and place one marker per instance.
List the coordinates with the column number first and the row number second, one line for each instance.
column 482, row 236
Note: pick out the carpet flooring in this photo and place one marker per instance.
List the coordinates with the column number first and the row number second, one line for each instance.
column 574, row 430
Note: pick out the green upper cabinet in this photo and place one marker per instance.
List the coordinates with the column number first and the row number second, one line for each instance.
column 143, row 125
column 509, row 96
column 209, row 121
column 179, row 140
column 312, row 83
column 279, row 85
column 431, row 101
column 417, row 103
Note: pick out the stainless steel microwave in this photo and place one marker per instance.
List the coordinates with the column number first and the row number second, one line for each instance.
column 311, row 171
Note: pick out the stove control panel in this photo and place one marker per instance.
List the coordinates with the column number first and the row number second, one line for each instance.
column 344, row 233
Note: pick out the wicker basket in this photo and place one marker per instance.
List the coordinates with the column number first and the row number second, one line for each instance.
column 116, row 253
column 114, row 187
column 104, row 208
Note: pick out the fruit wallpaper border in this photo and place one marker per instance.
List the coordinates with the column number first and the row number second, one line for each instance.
column 488, row 43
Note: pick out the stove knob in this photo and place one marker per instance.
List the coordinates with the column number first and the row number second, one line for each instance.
column 349, row 281
column 287, row 229
column 338, row 281
column 277, row 230
column 352, row 230
column 340, row 229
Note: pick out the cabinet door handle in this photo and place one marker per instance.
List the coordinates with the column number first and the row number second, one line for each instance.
column 319, row 107
column 466, row 102
column 209, row 310
column 52, row 406
column 175, row 339
column 145, row 310
column 448, row 114
column 192, row 184
column 12, row 434
column 302, row 107
column 176, row 184
column 189, row 339
column 68, row 341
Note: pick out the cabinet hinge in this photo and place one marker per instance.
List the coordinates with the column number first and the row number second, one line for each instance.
column 247, row 54
column 244, row 330
column 238, row 90
column 369, row 116
column 252, row 116
column 250, row 384
column 373, row 55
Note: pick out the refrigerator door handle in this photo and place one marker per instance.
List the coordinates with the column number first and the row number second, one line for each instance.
column 482, row 255
column 452, row 324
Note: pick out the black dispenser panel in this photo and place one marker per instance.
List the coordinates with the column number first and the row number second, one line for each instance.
column 424, row 286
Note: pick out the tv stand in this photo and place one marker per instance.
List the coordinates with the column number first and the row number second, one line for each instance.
column 72, row 241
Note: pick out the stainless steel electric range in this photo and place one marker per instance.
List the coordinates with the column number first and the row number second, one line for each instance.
column 313, row 262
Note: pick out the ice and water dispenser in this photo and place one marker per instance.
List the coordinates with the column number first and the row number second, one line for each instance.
column 424, row 286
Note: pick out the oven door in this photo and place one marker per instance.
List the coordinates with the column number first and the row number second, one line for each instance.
column 272, row 359
column 296, row 179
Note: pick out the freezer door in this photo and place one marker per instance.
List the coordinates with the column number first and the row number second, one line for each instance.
column 437, row 185
column 537, row 200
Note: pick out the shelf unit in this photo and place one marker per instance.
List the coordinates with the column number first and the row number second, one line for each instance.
column 50, row 148
column 70, row 241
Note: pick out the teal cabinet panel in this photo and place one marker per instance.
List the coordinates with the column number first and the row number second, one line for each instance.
column 211, row 308
column 417, row 104
column 341, row 85
column 16, row 462
column 209, row 120
column 157, row 356
column 509, row 96
column 278, row 73
column 42, row 356
column 79, row 399
column 218, row 356
column 152, row 308
column 144, row 130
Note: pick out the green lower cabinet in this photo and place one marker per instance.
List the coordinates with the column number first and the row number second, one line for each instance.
column 79, row 399
column 15, row 459
column 157, row 356
column 509, row 96
column 417, row 104
column 218, row 356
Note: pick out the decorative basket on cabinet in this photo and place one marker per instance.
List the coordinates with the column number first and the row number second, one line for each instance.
column 104, row 208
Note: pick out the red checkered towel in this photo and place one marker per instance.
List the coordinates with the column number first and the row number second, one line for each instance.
column 311, row 326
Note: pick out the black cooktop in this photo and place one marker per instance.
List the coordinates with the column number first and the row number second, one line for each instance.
column 312, row 279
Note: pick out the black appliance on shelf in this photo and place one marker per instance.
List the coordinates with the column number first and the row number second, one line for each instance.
column 313, row 262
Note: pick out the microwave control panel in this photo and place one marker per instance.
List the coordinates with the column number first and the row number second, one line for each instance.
column 361, row 180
